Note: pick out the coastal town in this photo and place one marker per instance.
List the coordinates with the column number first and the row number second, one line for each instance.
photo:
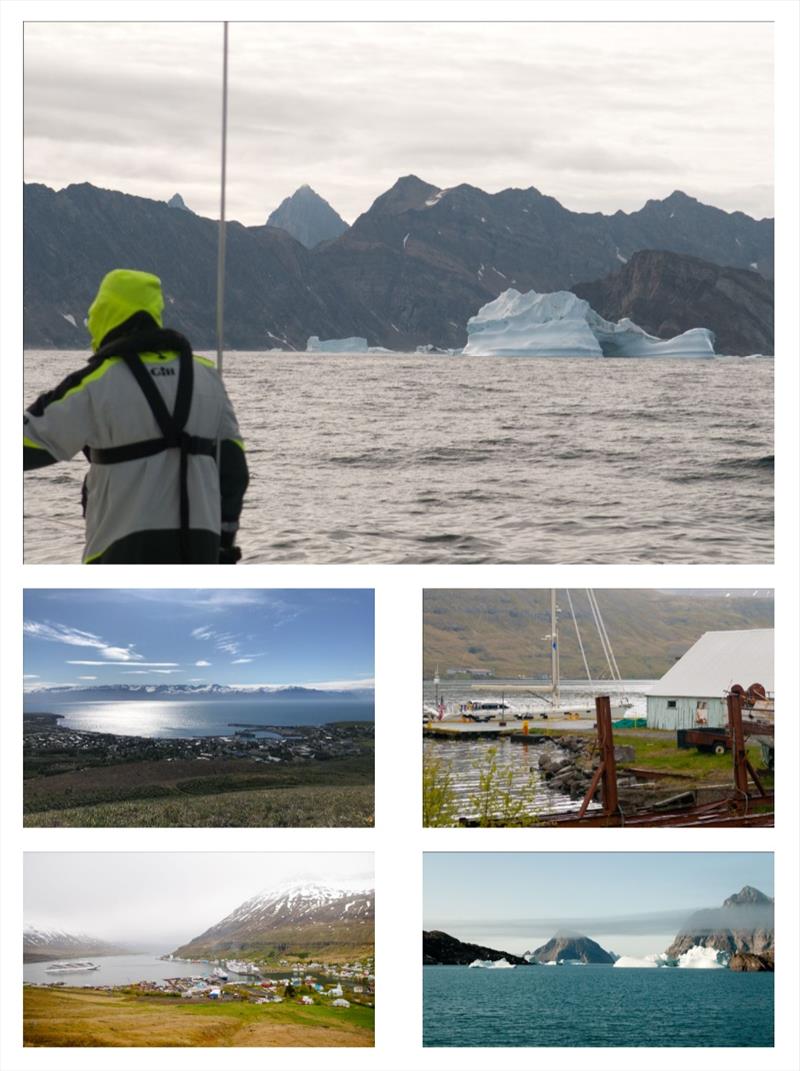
column 48, row 746
column 332, row 985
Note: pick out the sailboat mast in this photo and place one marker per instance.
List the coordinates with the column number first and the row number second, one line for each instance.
column 222, row 185
column 554, row 666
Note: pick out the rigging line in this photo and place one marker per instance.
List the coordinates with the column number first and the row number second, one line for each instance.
column 608, row 639
column 614, row 667
column 580, row 641
column 603, row 633
column 222, row 184
column 610, row 648
column 600, row 631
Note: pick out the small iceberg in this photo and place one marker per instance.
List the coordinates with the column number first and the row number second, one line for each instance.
column 561, row 324
column 702, row 958
column 336, row 345
column 632, row 961
column 493, row 964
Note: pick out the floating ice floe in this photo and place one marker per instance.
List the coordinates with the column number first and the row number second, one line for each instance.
column 493, row 964
column 561, row 324
column 336, row 345
column 632, row 961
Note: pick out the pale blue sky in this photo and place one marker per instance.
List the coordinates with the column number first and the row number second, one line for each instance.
column 219, row 636
column 631, row 902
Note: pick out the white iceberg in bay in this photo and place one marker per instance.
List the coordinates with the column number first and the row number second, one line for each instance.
column 336, row 345
column 698, row 956
column 561, row 324
column 492, row 964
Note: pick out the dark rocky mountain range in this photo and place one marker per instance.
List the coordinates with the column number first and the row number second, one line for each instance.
column 667, row 293
column 439, row 948
column 410, row 271
column 570, row 947
column 308, row 218
column 425, row 259
column 300, row 917
column 39, row 945
column 500, row 629
column 744, row 924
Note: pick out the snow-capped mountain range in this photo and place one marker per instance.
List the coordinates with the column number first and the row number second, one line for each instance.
column 199, row 691
column 310, row 915
column 46, row 944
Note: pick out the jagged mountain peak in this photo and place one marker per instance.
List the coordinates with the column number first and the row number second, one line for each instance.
column 176, row 201
column 407, row 193
column 747, row 895
column 308, row 217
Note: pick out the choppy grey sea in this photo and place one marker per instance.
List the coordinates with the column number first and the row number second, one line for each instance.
column 407, row 458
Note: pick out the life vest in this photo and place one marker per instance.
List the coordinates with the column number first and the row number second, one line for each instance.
column 172, row 425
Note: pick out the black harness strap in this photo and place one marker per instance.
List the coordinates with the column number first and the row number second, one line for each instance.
column 171, row 425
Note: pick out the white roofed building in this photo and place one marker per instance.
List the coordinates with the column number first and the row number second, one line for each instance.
column 693, row 692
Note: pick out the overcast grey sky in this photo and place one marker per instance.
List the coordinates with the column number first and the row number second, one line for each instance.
column 166, row 898
column 600, row 116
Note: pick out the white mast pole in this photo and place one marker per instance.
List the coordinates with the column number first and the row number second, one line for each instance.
column 221, row 241
column 554, row 667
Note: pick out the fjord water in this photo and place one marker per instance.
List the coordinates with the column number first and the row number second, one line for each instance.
column 466, row 758
column 195, row 717
column 596, row 1006
column 116, row 970
column 412, row 458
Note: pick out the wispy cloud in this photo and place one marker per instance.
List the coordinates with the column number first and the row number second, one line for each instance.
column 84, row 662
column 202, row 662
column 239, row 661
column 228, row 642
column 88, row 678
column 53, row 632
column 212, row 600
column 147, row 672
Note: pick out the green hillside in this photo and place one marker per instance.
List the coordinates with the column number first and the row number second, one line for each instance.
column 504, row 630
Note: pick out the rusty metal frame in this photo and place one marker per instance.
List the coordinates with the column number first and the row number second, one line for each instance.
column 731, row 811
column 607, row 768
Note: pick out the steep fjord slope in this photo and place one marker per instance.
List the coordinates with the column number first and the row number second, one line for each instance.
column 310, row 917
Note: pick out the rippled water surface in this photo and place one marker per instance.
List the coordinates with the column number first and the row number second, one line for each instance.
column 180, row 718
column 411, row 458
column 596, row 1006
column 465, row 760
column 116, row 970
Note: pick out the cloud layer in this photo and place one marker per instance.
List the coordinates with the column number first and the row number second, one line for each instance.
column 601, row 116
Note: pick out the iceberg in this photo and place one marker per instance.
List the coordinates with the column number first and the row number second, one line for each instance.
column 561, row 324
column 336, row 345
column 698, row 956
column 493, row 964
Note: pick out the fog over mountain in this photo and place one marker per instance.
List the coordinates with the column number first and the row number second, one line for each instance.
column 160, row 900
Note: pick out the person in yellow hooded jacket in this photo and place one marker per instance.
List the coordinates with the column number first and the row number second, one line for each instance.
column 168, row 472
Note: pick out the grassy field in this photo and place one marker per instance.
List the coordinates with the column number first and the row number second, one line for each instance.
column 657, row 751
column 88, row 1018
column 222, row 793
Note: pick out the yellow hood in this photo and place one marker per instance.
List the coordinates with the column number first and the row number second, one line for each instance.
column 121, row 294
